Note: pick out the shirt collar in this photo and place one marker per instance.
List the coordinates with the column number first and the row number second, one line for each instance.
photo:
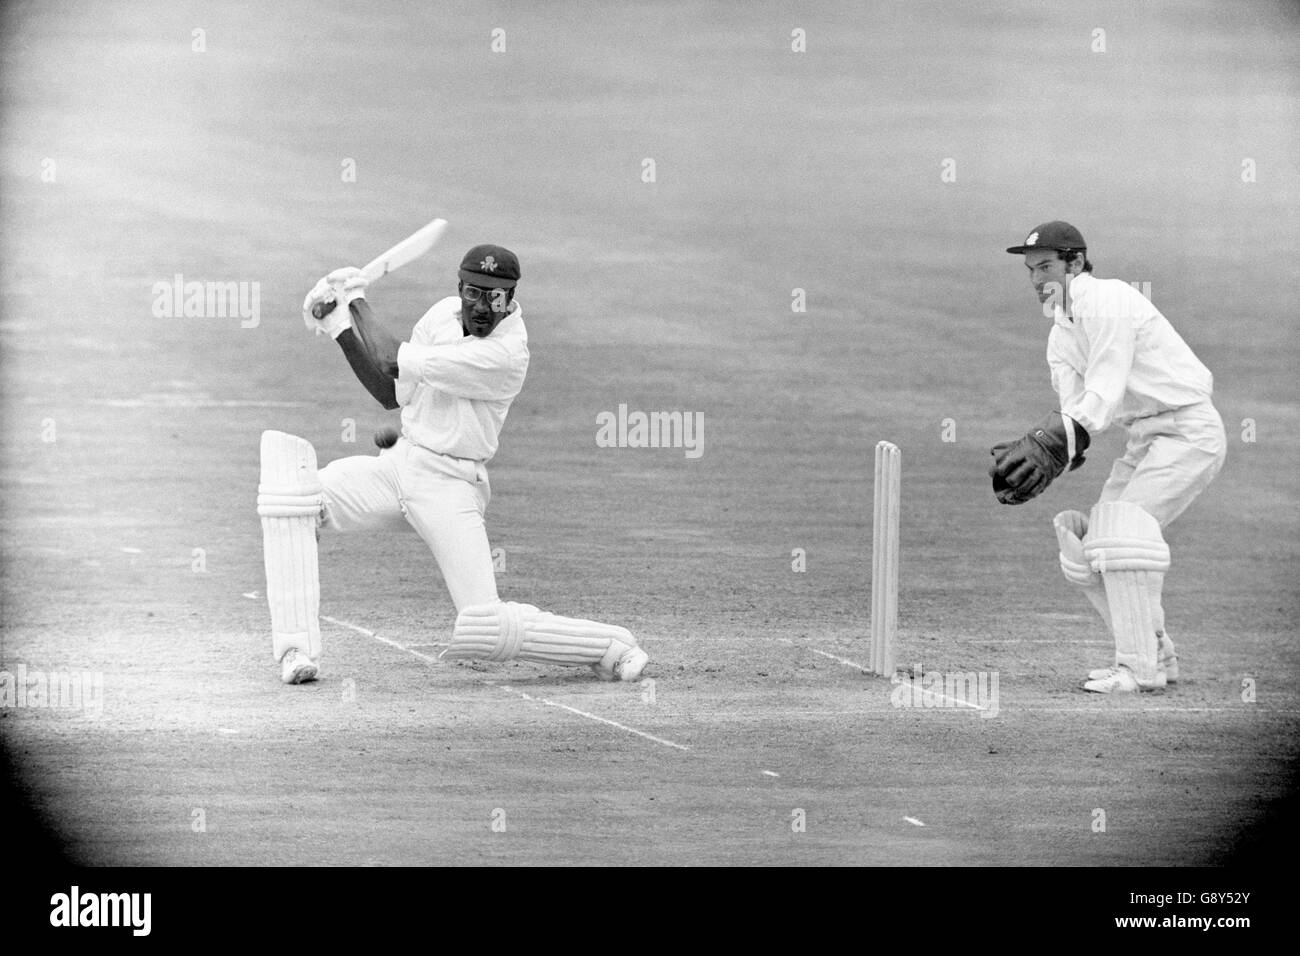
column 513, row 323
column 1079, row 287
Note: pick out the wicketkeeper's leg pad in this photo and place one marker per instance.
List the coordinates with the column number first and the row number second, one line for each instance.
column 508, row 631
column 1125, row 546
column 1071, row 527
column 289, row 501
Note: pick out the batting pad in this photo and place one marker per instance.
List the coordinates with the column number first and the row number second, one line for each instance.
column 508, row 631
column 289, row 501
column 1125, row 546
column 1071, row 526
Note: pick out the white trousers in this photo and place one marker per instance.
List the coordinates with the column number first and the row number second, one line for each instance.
column 443, row 498
column 1169, row 460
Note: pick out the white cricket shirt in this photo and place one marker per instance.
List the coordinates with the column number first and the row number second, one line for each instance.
column 456, row 389
column 1115, row 358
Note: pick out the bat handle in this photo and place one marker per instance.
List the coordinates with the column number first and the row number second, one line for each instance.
column 322, row 309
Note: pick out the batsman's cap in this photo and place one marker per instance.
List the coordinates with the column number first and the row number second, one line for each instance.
column 1060, row 236
column 490, row 267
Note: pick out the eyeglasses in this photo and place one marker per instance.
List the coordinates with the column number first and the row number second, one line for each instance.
column 496, row 297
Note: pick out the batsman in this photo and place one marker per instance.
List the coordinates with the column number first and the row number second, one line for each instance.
column 454, row 379
column 1114, row 359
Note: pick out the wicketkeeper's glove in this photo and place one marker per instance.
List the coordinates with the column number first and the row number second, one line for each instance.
column 1023, row 469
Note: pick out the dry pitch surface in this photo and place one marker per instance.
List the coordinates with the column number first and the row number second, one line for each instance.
column 132, row 548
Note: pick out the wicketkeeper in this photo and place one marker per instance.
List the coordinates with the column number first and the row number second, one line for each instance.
column 1115, row 359
column 454, row 381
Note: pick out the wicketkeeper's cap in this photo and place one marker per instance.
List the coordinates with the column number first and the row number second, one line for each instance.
column 1059, row 236
column 490, row 267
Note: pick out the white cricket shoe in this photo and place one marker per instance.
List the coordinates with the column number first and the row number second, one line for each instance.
column 296, row 667
column 1121, row 680
column 627, row 668
column 1101, row 673
column 1166, row 660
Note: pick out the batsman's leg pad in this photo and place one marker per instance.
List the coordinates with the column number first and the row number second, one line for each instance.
column 508, row 631
column 289, row 502
column 1125, row 546
column 1071, row 527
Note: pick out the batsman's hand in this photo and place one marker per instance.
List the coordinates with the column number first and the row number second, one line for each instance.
column 341, row 285
column 334, row 321
column 348, row 283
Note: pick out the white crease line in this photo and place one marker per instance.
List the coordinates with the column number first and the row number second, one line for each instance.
column 848, row 663
column 914, row 821
column 770, row 773
column 843, row 660
column 383, row 640
column 254, row 595
column 583, row 713
column 954, row 700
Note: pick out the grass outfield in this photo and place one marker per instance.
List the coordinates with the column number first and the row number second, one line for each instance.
column 131, row 542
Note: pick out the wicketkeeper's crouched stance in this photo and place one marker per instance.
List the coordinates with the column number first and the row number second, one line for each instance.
column 1115, row 358
column 455, row 380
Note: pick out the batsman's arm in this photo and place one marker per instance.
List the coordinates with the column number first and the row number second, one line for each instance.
column 371, row 350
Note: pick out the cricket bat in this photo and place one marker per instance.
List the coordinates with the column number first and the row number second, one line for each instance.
column 408, row 250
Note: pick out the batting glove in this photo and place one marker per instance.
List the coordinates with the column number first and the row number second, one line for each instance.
column 348, row 284
column 335, row 322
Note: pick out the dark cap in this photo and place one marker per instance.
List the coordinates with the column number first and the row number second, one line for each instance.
column 490, row 267
column 1059, row 236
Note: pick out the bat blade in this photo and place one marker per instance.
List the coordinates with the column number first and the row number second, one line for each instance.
column 406, row 251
